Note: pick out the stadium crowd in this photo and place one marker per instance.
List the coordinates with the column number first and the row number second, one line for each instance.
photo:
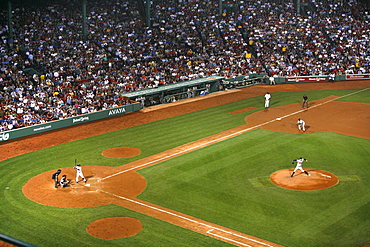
column 333, row 39
column 49, row 71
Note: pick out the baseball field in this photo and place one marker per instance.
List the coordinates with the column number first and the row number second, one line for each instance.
column 208, row 171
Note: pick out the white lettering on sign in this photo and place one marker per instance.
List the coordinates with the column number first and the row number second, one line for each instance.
column 4, row 136
column 116, row 111
column 81, row 119
column 42, row 128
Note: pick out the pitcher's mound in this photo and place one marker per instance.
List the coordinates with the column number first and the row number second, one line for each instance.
column 317, row 180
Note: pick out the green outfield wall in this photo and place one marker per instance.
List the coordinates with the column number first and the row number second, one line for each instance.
column 57, row 124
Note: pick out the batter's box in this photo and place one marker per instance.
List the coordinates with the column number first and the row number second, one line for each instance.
column 89, row 186
column 348, row 178
column 262, row 182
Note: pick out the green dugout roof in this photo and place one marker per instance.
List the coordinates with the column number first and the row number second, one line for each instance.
column 170, row 87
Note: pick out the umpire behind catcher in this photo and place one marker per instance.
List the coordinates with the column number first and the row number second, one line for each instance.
column 55, row 177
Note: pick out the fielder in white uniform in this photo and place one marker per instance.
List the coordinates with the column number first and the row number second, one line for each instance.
column 299, row 166
column 79, row 173
column 301, row 125
column 267, row 99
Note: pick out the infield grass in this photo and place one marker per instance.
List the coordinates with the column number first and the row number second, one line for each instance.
column 212, row 183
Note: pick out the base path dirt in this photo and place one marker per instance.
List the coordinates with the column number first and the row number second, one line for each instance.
column 102, row 188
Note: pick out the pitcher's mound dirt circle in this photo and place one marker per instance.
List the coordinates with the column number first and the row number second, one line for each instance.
column 121, row 152
column 317, row 180
column 115, row 227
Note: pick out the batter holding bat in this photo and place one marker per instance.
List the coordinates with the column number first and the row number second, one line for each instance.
column 79, row 173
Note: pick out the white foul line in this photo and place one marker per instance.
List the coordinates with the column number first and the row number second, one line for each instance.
column 224, row 137
column 219, row 236
column 190, row 220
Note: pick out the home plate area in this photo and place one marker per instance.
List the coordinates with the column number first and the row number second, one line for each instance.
column 89, row 186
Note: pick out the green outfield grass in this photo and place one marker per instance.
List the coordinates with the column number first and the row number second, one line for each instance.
column 224, row 183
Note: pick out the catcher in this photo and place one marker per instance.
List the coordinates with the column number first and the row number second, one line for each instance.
column 64, row 181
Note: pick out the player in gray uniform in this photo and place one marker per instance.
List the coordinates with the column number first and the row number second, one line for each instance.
column 79, row 173
column 299, row 166
column 305, row 101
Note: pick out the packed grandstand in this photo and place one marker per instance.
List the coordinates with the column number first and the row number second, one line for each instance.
column 50, row 71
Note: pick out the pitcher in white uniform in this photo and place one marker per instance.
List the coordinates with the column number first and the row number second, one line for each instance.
column 299, row 166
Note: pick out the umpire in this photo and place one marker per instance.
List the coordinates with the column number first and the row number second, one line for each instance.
column 55, row 177
column 305, row 101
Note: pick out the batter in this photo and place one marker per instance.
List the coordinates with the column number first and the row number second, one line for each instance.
column 79, row 173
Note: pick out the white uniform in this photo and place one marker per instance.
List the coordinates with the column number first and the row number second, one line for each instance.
column 299, row 166
column 267, row 100
column 79, row 173
column 301, row 124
